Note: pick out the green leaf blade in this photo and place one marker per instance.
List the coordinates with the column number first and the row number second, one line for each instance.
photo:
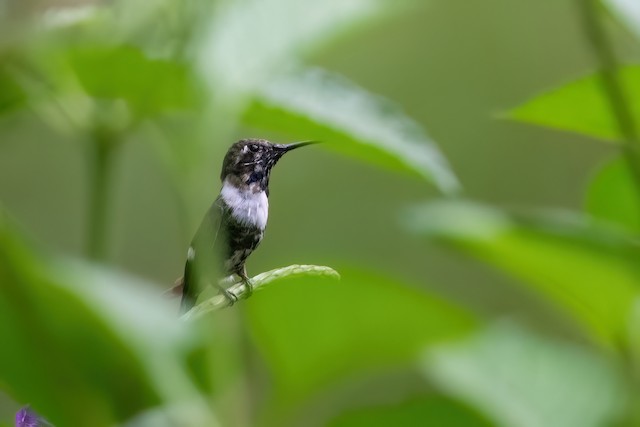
column 431, row 410
column 86, row 347
column 522, row 380
column 12, row 96
column 612, row 196
column 149, row 86
column 324, row 106
column 590, row 273
column 581, row 106
column 314, row 333
column 237, row 62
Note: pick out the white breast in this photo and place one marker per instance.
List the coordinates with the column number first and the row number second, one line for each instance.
column 246, row 206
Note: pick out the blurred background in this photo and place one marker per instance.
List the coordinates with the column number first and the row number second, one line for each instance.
column 489, row 265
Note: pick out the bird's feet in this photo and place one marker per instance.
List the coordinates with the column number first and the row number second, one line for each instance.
column 249, row 285
column 230, row 296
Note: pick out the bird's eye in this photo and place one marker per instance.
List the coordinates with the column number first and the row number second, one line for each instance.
column 253, row 148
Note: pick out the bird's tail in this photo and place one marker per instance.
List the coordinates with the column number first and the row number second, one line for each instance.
column 188, row 299
column 186, row 303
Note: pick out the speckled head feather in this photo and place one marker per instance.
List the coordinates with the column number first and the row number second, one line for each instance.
column 249, row 161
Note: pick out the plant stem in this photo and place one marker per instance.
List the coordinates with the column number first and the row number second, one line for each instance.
column 101, row 152
column 621, row 109
column 612, row 86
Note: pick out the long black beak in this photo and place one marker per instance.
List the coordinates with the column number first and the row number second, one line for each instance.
column 288, row 147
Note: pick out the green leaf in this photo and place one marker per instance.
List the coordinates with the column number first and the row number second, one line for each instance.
column 240, row 291
column 581, row 106
column 248, row 42
column 314, row 332
column 11, row 94
column 612, row 196
column 521, row 380
column 88, row 347
column 149, row 86
column 434, row 410
column 590, row 272
column 324, row 106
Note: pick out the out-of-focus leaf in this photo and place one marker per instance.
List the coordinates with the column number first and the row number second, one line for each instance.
column 612, row 196
column 591, row 273
column 249, row 41
column 581, row 106
column 314, row 332
column 149, row 86
column 130, row 19
column 521, row 380
column 87, row 347
column 629, row 12
column 11, row 94
column 426, row 411
column 68, row 15
column 323, row 106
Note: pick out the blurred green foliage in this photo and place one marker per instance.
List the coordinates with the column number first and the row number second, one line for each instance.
column 612, row 196
column 518, row 310
column 580, row 106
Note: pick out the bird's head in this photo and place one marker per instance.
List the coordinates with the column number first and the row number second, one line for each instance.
column 249, row 161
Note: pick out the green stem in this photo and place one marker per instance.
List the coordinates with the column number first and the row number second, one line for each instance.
column 623, row 115
column 101, row 152
column 612, row 86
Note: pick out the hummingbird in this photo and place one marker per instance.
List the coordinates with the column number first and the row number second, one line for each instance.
column 234, row 225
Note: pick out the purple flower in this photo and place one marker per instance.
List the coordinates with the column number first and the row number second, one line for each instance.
column 27, row 418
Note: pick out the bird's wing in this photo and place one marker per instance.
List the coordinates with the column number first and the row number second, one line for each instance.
column 204, row 254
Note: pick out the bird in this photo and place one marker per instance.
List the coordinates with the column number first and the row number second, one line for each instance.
column 234, row 225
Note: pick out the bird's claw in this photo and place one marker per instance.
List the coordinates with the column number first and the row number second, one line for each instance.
column 249, row 285
column 230, row 296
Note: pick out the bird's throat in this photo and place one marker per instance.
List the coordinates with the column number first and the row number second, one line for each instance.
column 248, row 207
